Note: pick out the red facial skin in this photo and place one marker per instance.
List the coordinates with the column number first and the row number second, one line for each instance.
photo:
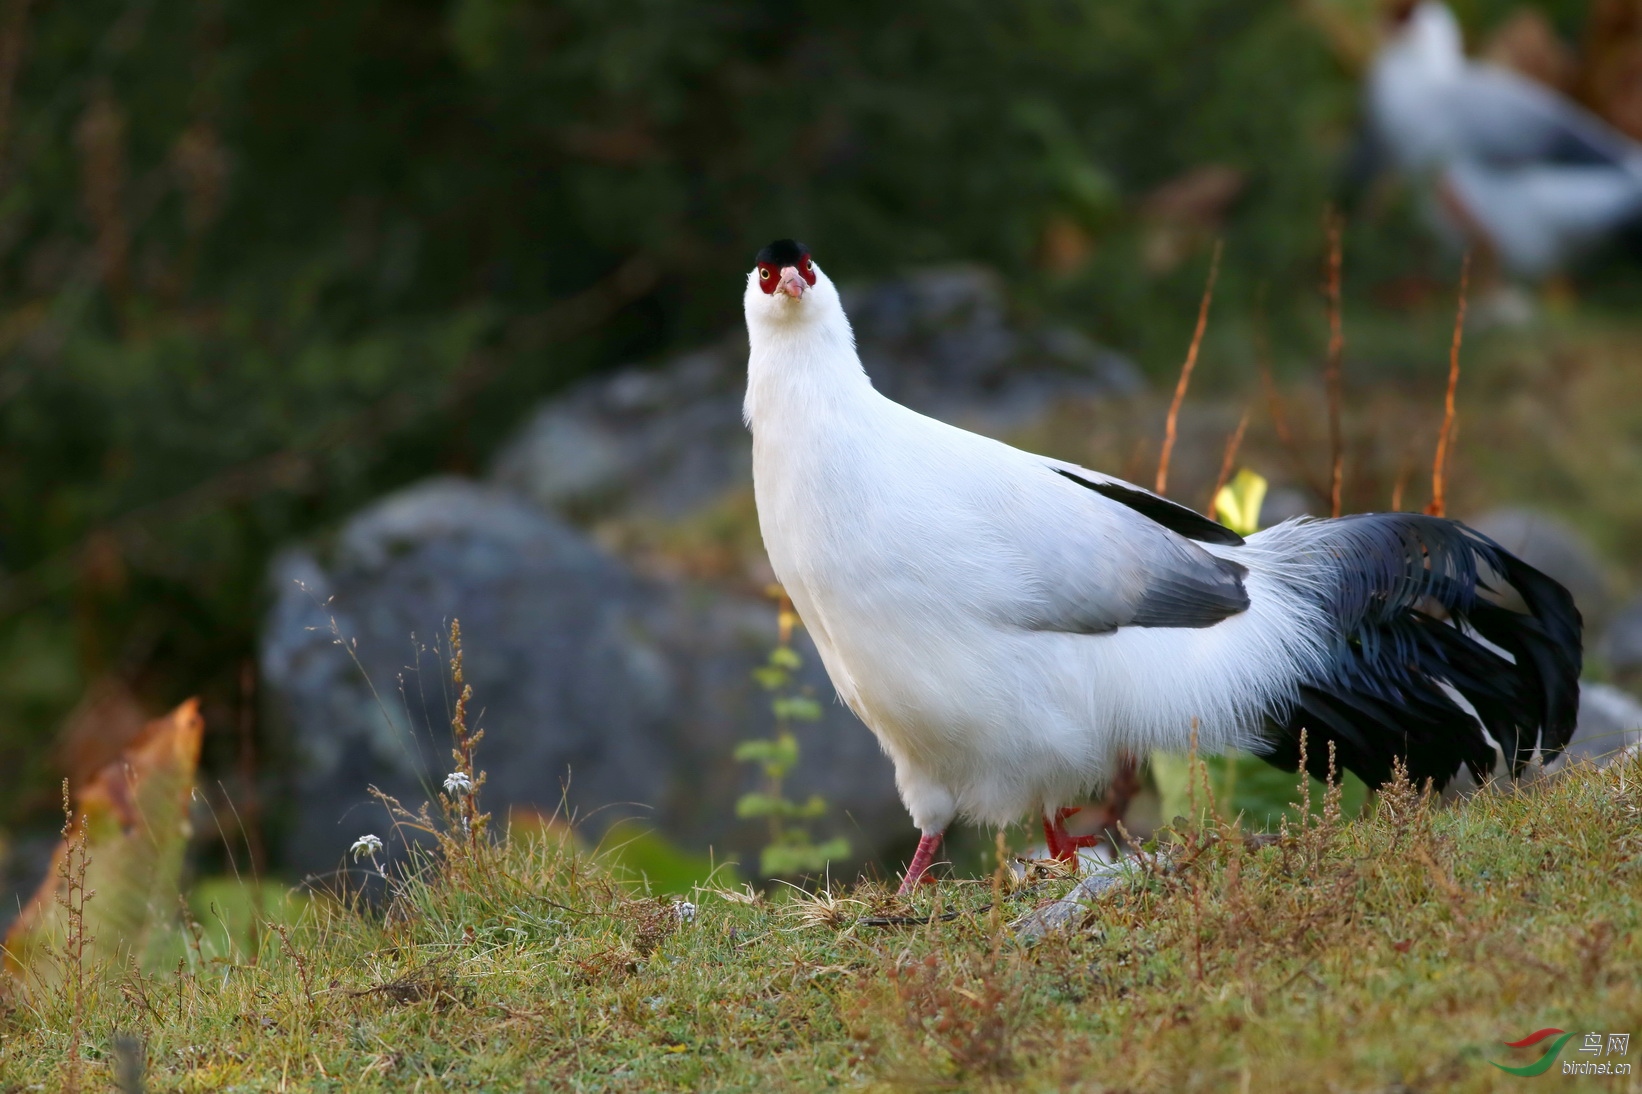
column 769, row 275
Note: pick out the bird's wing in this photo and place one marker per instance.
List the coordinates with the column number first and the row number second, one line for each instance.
column 1100, row 554
column 1537, row 217
column 1504, row 118
column 1171, row 515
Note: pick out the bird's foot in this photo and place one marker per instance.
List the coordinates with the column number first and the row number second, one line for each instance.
column 918, row 870
column 1062, row 844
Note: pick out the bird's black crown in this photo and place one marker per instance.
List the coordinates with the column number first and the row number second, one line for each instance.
column 783, row 252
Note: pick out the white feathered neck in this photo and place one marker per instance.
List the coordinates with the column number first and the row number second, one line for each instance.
column 802, row 358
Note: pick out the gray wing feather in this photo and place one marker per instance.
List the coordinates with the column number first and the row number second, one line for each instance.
column 1200, row 599
column 1098, row 565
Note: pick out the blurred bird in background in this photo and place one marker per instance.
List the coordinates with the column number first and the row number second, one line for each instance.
column 1502, row 161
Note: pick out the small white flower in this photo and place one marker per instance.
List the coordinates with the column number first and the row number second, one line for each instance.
column 366, row 846
column 685, row 911
column 457, row 782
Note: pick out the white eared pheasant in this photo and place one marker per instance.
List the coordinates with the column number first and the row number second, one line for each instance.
column 1008, row 624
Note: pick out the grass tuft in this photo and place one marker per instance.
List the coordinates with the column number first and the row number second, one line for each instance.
column 1398, row 948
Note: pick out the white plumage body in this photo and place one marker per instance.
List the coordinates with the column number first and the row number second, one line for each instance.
column 1008, row 624
column 920, row 556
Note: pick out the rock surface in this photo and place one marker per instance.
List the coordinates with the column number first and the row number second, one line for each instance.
column 1621, row 646
column 589, row 681
column 1610, row 721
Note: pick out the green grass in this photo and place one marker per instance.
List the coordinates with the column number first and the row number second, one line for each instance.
column 1390, row 952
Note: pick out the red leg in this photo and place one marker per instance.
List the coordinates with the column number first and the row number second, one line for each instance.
column 928, row 844
column 1062, row 844
column 1053, row 832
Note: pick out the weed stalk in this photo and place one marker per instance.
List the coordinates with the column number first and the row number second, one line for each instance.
column 73, row 896
column 1439, row 460
column 466, row 740
column 1227, row 459
column 1171, row 422
column 1336, row 360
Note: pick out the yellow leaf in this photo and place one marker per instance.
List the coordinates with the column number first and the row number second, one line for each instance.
column 1238, row 503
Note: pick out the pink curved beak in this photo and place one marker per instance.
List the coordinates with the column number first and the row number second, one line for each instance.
column 792, row 282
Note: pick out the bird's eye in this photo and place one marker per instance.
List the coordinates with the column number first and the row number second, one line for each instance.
column 807, row 262
column 763, row 274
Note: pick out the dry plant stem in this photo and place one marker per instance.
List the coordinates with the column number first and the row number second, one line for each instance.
column 304, row 975
column 1172, row 421
column 135, row 989
column 1191, row 772
column 466, row 741
column 1305, row 779
column 1336, row 356
column 1332, row 793
column 1439, row 461
column 1233, row 443
column 72, row 898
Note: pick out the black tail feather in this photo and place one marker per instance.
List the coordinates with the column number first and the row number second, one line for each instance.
column 1413, row 630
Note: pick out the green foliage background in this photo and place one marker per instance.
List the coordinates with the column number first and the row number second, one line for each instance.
column 261, row 261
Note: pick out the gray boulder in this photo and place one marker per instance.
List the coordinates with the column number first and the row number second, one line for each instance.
column 1621, row 645
column 1610, row 721
column 659, row 441
column 596, row 688
column 942, row 342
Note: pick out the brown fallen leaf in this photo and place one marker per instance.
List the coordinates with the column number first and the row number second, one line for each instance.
column 133, row 815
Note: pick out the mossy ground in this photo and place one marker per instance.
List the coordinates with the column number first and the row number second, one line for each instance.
column 1395, row 951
